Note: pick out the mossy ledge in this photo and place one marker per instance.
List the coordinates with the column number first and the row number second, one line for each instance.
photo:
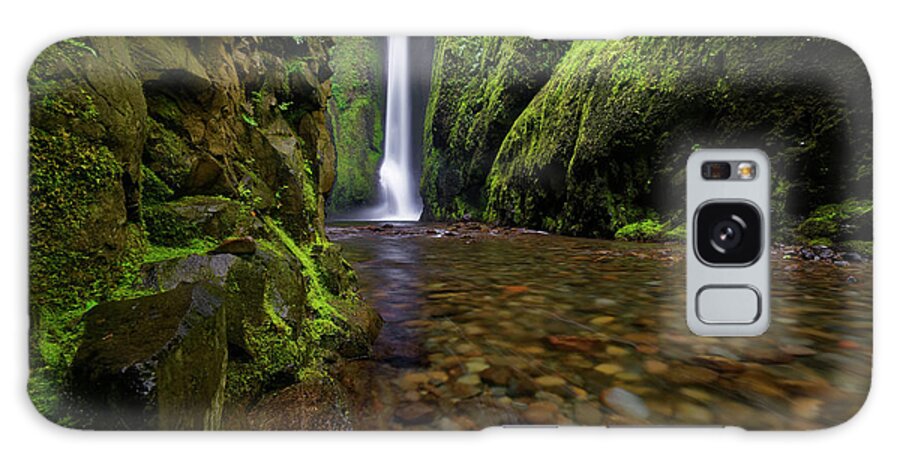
column 155, row 169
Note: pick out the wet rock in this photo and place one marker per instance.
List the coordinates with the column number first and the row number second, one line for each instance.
column 690, row 413
column 319, row 404
column 178, row 222
column 766, row 356
column 521, row 385
column 841, row 263
column 652, row 366
column 236, row 246
column 415, row 413
column 549, row 381
column 412, row 380
column 719, row 363
column 852, row 257
column 602, row 320
column 608, row 368
column 614, row 350
column 467, row 386
column 475, row 367
column 495, row 375
column 572, row 342
column 806, row 408
column 541, row 412
column 624, row 403
column 550, row 398
column 685, row 374
column 587, row 414
column 797, row 350
column 155, row 362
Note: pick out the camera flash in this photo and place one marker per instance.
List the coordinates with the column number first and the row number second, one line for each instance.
column 746, row 170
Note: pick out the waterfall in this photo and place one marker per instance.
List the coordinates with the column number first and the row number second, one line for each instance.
column 399, row 189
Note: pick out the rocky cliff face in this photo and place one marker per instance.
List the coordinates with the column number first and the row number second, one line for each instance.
column 598, row 140
column 147, row 153
column 479, row 86
column 356, row 114
column 605, row 141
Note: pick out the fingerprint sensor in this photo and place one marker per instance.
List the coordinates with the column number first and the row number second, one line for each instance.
column 728, row 304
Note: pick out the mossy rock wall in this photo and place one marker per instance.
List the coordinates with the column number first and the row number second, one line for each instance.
column 149, row 149
column 603, row 144
column 356, row 116
column 479, row 86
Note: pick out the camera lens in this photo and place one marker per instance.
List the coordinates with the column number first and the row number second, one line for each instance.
column 728, row 233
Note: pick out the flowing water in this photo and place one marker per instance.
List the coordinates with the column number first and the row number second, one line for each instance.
column 487, row 327
column 398, row 196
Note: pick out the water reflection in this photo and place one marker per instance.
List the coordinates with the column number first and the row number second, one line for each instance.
column 485, row 330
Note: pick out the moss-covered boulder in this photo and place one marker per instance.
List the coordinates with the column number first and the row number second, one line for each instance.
column 604, row 143
column 154, row 362
column 356, row 116
column 479, row 86
column 182, row 221
column 848, row 221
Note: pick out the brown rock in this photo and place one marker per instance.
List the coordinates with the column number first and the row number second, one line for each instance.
column 496, row 375
column 685, row 374
column 541, row 412
column 720, row 363
column 236, row 246
column 415, row 413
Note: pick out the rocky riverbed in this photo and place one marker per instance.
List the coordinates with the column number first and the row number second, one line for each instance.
column 489, row 326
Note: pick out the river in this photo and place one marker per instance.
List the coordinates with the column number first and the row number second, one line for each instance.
column 487, row 327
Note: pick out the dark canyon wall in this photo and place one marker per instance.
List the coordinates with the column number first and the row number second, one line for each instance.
column 179, row 267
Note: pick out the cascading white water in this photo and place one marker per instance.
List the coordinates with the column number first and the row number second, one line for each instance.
column 399, row 197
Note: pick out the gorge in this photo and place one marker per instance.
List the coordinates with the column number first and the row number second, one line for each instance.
column 433, row 233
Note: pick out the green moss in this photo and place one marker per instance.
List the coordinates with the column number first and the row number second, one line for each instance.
column 838, row 222
column 479, row 87
column 181, row 222
column 647, row 230
column 157, row 253
column 604, row 142
column 356, row 113
column 153, row 189
column 863, row 247
column 318, row 296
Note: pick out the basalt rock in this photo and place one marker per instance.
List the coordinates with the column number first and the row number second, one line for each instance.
column 155, row 362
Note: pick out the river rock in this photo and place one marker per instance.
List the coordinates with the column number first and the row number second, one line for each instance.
column 549, row 381
column 719, row 363
column 625, row 403
column 587, row 414
column 608, row 368
column 541, row 412
column 415, row 413
column 319, row 404
column 652, row 366
column 496, row 375
column 685, row 374
column 156, row 362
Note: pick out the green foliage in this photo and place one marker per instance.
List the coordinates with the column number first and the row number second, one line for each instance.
column 249, row 119
column 153, row 189
column 647, row 230
column 604, row 142
column 318, row 297
column 838, row 222
column 356, row 114
column 863, row 247
column 157, row 253
column 80, row 45
column 479, row 87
